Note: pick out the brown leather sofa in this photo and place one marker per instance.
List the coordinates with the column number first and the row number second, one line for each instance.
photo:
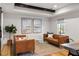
column 56, row 39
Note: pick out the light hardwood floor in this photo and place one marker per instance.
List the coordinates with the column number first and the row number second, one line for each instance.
column 6, row 52
column 61, row 53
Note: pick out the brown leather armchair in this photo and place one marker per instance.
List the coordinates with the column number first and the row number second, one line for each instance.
column 22, row 46
column 56, row 39
column 25, row 46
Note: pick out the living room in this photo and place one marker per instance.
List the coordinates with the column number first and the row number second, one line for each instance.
column 34, row 23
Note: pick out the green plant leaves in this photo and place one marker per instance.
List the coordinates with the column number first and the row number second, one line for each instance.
column 10, row 29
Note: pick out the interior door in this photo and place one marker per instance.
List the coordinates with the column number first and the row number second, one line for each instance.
column 0, row 30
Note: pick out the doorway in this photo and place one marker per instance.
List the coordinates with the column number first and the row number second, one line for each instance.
column 0, row 29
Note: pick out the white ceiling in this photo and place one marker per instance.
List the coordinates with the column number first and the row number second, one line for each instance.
column 60, row 9
column 49, row 5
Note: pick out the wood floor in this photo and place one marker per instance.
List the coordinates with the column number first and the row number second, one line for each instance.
column 61, row 53
column 6, row 52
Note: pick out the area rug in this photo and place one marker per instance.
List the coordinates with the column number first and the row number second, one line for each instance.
column 43, row 49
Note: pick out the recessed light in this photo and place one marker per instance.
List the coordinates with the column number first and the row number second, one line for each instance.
column 55, row 6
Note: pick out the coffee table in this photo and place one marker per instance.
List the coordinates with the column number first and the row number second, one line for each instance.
column 72, row 47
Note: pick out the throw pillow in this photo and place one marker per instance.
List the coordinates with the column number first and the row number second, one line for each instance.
column 50, row 35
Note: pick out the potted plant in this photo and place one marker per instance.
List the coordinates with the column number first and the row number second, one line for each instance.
column 11, row 30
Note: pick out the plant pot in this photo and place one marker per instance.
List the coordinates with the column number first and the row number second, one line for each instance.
column 9, row 42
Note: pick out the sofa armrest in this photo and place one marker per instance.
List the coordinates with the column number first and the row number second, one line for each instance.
column 63, row 39
column 45, row 36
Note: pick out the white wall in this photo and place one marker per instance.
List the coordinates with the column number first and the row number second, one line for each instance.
column 53, row 26
column 71, row 28
column 9, row 18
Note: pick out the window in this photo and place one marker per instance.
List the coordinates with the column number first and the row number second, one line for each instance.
column 31, row 25
column 37, row 26
column 60, row 26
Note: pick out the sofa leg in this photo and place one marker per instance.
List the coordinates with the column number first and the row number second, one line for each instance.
column 33, row 51
column 60, row 47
